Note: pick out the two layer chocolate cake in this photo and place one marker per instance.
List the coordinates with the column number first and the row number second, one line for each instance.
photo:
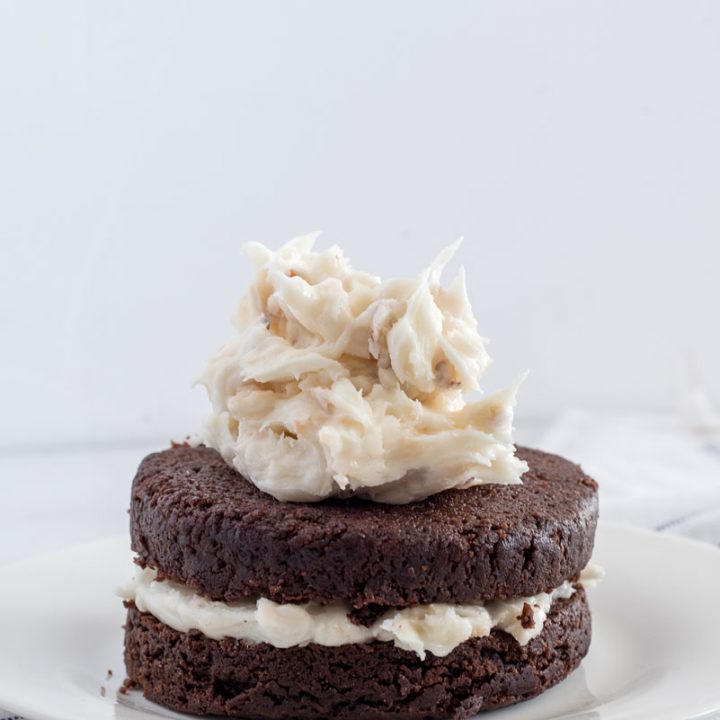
column 348, row 536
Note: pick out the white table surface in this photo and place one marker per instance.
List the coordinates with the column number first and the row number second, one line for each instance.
column 53, row 497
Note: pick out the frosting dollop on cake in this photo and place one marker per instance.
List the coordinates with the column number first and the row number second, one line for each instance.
column 339, row 383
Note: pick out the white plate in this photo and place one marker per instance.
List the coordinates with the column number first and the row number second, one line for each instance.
column 655, row 652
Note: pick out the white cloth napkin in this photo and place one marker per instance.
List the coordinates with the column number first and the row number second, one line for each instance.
column 654, row 470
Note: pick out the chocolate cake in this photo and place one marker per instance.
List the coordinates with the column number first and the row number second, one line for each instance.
column 189, row 673
column 195, row 522
column 347, row 537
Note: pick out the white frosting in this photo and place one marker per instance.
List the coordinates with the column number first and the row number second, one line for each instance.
column 437, row 628
column 337, row 383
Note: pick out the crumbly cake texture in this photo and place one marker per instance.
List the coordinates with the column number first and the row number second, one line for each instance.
column 189, row 672
column 198, row 522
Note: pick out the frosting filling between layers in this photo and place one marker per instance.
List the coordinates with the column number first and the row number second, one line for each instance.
column 436, row 627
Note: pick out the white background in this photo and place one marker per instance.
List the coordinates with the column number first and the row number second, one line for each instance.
column 575, row 145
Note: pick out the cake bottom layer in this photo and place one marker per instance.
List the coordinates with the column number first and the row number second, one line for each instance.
column 189, row 672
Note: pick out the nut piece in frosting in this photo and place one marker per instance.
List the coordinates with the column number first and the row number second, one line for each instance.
column 339, row 383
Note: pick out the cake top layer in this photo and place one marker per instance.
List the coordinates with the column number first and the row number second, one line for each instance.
column 337, row 383
column 198, row 522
